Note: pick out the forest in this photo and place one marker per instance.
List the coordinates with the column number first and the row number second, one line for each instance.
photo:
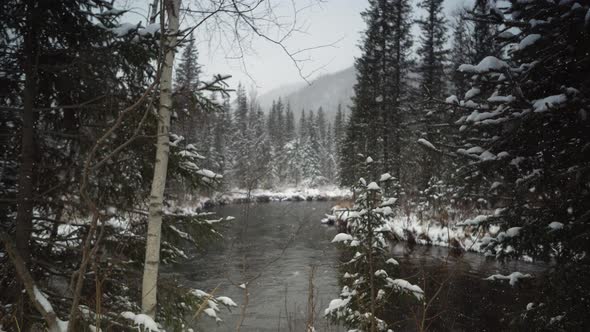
column 451, row 192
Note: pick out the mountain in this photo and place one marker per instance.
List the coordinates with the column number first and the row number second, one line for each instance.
column 326, row 91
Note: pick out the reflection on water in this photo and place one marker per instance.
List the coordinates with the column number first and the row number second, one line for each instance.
column 457, row 297
column 274, row 245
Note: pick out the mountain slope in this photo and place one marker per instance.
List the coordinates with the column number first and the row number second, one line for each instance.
column 326, row 91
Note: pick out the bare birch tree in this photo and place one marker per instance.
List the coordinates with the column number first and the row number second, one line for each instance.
column 149, row 288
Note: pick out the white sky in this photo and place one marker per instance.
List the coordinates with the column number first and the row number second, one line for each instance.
column 265, row 65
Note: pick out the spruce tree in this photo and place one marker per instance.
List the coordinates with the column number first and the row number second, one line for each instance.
column 189, row 120
column 311, row 152
column 303, row 130
column 484, row 43
column 86, row 90
column 321, row 124
column 375, row 126
column 289, row 124
column 527, row 142
column 460, row 52
column 369, row 287
column 339, row 125
column 433, row 83
column 432, row 50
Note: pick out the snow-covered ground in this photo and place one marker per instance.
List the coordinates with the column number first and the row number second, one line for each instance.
column 326, row 193
column 432, row 232
column 461, row 234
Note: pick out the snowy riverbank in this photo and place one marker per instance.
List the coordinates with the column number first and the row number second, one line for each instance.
column 237, row 196
column 457, row 234
column 411, row 229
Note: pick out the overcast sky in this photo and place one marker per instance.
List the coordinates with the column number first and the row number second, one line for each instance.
column 266, row 66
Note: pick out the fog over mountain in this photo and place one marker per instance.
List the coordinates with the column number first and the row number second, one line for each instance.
column 326, row 91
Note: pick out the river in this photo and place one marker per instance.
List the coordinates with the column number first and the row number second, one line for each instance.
column 275, row 246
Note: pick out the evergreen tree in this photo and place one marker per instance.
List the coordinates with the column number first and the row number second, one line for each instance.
column 380, row 92
column 432, row 85
column 272, row 122
column 241, row 114
column 280, row 125
column 188, row 69
column 526, row 143
column 252, row 149
column 82, row 160
column 484, row 43
column 432, row 49
column 329, row 166
column 321, row 124
column 369, row 287
column 303, row 130
column 311, row 152
column 338, row 137
column 339, row 125
column 189, row 118
column 222, row 132
column 289, row 124
column 460, row 52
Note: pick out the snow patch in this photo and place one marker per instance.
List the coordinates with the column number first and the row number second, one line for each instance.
column 489, row 63
column 528, row 41
column 547, row 103
column 373, row 186
column 385, row 177
column 512, row 278
column 405, row 285
column 426, row 144
column 342, row 237
column 141, row 321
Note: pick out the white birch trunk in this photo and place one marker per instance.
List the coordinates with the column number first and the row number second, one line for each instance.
column 154, row 231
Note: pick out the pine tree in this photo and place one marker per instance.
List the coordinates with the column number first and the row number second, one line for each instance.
column 330, row 165
column 188, row 69
column 432, row 49
column 280, row 125
column 526, row 142
column 251, row 145
column 375, row 126
column 368, row 281
column 303, row 130
column 339, row 125
column 222, row 132
column 484, row 43
column 90, row 146
column 241, row 114
column 338, row 137
column 432, row 85
column 289, row 124
column 311, row 152
column 189, row 117
column 325, row 146
column 321, row 124
column 460, row 52
column 272, row 122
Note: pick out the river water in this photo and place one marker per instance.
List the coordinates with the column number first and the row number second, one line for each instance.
column 274, row 247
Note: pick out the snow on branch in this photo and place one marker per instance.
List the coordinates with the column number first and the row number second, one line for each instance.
column 407, row 287
column 488, row 64
column 512, row 278
column 427, row 144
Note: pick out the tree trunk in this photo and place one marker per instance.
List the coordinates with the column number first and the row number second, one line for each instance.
column 24, row 214
column 154, row 232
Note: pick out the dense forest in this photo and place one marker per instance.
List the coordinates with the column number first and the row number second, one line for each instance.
column 111, row 134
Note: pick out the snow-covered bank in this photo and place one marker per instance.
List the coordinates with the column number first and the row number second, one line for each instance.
column 237, row 196
column 410, row 228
